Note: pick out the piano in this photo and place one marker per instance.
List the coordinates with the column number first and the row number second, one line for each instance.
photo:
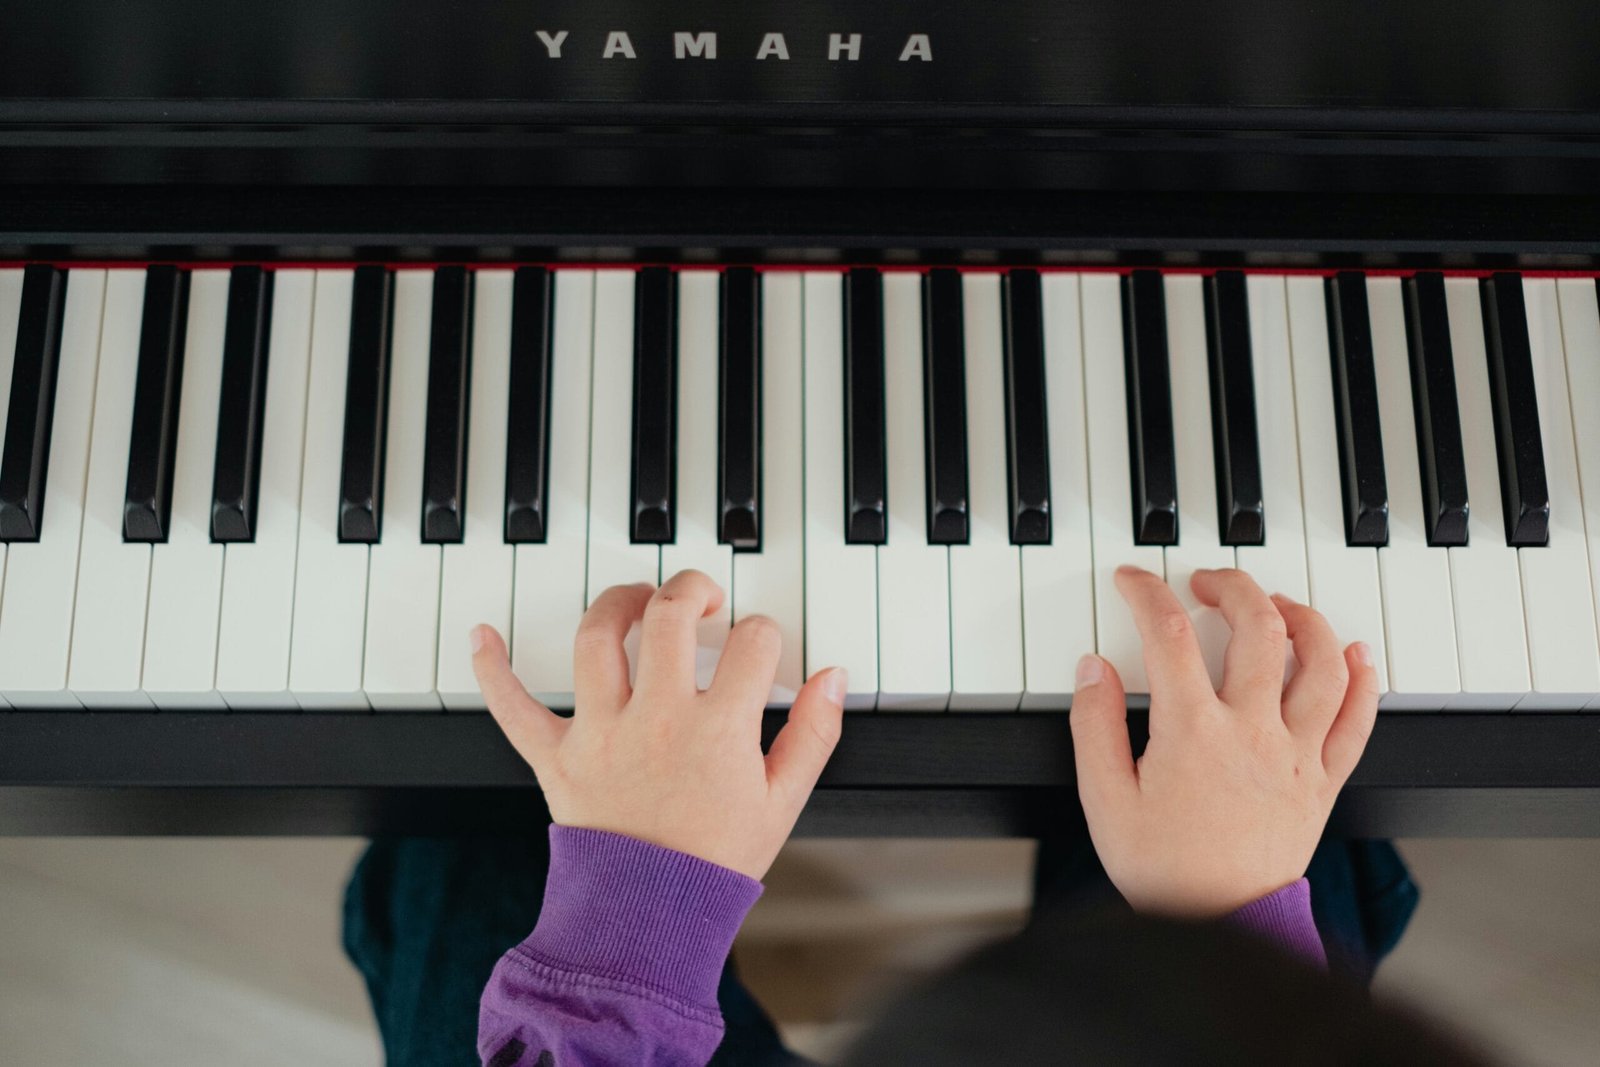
column 329, row 331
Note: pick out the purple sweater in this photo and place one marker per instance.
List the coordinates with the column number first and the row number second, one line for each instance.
column 623, row 964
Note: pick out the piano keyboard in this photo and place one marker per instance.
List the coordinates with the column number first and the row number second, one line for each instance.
column 256, row 488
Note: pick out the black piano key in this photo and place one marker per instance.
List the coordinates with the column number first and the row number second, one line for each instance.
column 528, row 408
column 444, row 457
column 739, row 408
column 655, row 403
column 241, row 409
column 1235, row 443
column 944, row 380
column 1524, row 492
column 366, row 406
column 1027, row 429
column 866, row 486
column 1433, row 392
column 153, row 441
column 1153, row 462
column 25, row 458
column 1355, row 400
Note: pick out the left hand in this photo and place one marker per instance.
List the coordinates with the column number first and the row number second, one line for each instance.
column 658, row 759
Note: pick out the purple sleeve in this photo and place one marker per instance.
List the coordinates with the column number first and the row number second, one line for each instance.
column 624, row 962
column 1285, row 918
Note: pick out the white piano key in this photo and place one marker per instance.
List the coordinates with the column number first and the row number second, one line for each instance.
column 1279, row 565
column 1485, row 585
column 772, row 582
column 1343, row 580
column 403, row 574
column 613, row 557
column 113, row 577
column 258, row 577
column 1414, row 579
column 10, row 316
column 330, row 601
column 985, row 573
column 1199, row 535
column 40, row 590
column 695, row 535
column 1058, row 578
column 476, row 575
column 841, row 612
column 548, row 598
column 913, row 576
column 180, row 645
column 1110, row 491
column 1557, row 593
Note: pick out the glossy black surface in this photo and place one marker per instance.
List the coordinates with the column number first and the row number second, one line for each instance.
column 241, row 407
column 366, row 406
column 25, row 454
column 866, row 477
column 1355, row 406
column 655, row 405
column 944, row 408
column 1524, row 490
column 1433, row 390
column 1153, row 465
column 1027, row 427
column 1235, row 441
column 979, row 773
column 153, row 439
column 444, row 462
column 528, row 408
column 739, row 412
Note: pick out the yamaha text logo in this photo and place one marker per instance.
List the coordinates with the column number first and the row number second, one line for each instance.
column 684, row 44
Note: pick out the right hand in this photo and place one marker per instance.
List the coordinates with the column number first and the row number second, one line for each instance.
column 1231, row 795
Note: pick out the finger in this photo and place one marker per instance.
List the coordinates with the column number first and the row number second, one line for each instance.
column 1107, row 777
column 749, row 663
column 1172, row 657
column 599, row 661
column 1314, row 694
column 671, row 632
column 1252, row 666
column 532, row 728
column 1347, row 738
column 803, row 746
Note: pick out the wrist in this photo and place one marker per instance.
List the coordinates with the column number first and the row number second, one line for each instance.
column 631, row 911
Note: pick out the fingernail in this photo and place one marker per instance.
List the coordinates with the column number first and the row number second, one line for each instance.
column 1090, row 670
column 1363, row 653
column 834, row 685
column 1284, row 599
column 1128, row 568
column 475, row 638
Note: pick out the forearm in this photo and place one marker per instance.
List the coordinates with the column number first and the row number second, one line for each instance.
column 623, row 964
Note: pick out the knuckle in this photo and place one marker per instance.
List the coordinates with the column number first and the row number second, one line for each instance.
column 592, row 638
column 762, row 631
column 1173, row 624
column 1269, row 622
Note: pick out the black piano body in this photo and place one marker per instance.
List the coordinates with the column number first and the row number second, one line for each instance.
column 1460, row 136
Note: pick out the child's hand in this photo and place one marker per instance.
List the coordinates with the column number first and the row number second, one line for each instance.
column 659, row 760
column 1230, row 797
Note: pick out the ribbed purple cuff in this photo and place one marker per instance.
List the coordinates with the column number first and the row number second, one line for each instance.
column 1285, row 918
column 622, row 909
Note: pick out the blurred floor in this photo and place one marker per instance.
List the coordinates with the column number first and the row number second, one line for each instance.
column 210, row 951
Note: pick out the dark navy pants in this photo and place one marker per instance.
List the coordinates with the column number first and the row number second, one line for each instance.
column 425, row 920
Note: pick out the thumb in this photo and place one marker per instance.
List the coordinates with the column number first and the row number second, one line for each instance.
column 1100, row 742
column 532, row 728
column 803, row 746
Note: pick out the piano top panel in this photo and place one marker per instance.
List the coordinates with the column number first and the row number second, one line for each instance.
column 1429, row 97
column 1460, row 62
